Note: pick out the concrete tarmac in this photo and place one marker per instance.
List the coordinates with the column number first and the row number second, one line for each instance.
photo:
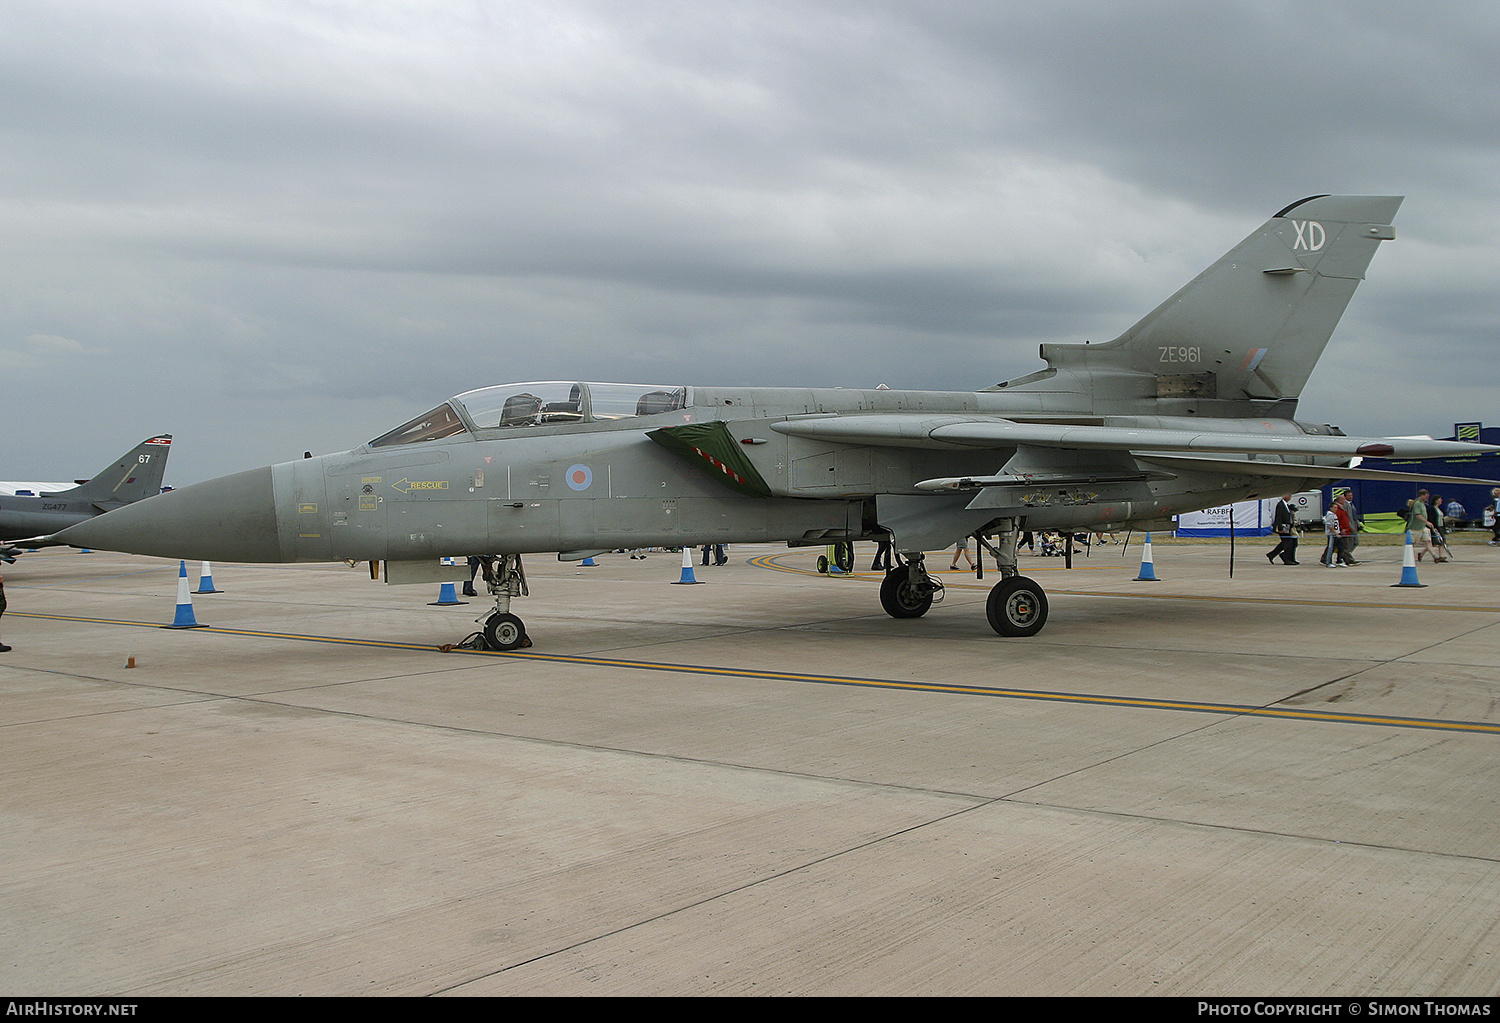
column 1283, row 783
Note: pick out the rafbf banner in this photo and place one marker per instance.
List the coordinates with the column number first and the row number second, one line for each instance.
column 1251, row 518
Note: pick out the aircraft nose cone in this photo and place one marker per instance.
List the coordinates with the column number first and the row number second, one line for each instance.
column 232, row 518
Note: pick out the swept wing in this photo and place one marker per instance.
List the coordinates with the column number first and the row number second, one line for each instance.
column 904, row 430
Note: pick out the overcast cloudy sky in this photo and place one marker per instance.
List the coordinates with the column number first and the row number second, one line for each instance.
column 267, row 226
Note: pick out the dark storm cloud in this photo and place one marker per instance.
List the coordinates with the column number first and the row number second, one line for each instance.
column 316, row 217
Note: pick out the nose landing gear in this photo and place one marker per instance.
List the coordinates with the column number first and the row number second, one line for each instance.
column 506, row 579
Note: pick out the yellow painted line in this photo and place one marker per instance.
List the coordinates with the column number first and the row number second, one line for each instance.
column 381, row 644
column 1041, row 695
column 1490, row 608
column 1027, row 694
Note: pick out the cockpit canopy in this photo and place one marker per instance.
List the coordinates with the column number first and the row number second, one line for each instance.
column 543, row 403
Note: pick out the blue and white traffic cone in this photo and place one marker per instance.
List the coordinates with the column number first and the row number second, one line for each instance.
column 1408, row 566
column 687, row 569
column 184, row 619
column 447, row 597
column 206, row 580
column 1148, row 567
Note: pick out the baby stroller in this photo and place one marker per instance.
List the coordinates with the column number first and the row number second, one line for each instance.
column 1052, row 545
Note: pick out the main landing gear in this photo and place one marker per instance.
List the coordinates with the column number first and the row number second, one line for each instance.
column 907, row 591
column 505, row 578
column 1016, row 606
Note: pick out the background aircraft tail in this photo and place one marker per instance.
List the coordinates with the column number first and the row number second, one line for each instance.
column 137, row 474
column 1252, row 326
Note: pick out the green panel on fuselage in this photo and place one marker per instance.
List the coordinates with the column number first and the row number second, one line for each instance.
column 710, row 444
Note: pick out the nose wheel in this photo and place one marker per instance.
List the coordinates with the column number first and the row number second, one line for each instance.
column 504, row 631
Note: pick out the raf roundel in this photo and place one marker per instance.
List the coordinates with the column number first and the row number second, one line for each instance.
column 579, row 477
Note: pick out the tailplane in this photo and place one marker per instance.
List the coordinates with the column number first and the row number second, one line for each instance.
column 1252, row 326
column 136, row 475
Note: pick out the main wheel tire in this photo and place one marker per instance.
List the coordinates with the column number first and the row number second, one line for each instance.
column 1017, row 607
column 843, row 556
column 504, row 632
column 900, row 598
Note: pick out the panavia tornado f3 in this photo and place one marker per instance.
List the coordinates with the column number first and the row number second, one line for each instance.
column 1190, row 408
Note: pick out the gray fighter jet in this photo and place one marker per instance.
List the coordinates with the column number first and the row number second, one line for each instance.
column 137, row 474
column 1190, row 408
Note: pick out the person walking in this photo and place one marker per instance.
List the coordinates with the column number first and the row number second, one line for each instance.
column 962, row 548
column 1284, row 525
column 1330, row 558
column 3, row 648
column 1421, row 532
column 1343, row 507
column 1354, row 520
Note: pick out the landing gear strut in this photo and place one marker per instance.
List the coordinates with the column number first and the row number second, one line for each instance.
column 505, row 578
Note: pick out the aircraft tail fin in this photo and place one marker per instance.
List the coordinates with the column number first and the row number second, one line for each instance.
column 1252, row 326
column 137, row 474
